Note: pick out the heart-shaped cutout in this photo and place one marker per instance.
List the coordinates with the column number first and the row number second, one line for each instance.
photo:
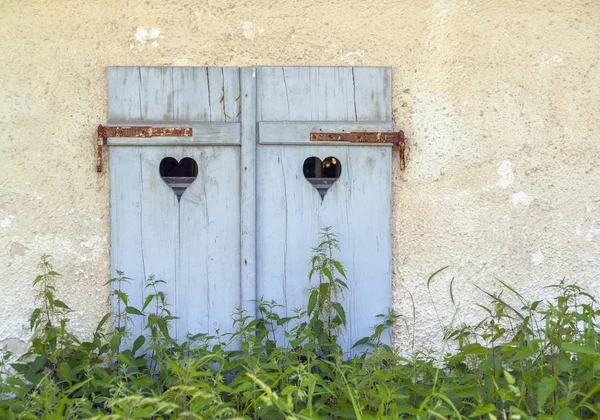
column 178, row 174
column 322, row 174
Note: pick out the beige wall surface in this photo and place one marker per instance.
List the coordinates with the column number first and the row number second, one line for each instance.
column 499, row 100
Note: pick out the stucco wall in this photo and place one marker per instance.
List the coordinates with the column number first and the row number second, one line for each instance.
column 498, row 99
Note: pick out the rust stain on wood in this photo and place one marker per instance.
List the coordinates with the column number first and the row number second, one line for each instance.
column 136, row 132
column 394, row 137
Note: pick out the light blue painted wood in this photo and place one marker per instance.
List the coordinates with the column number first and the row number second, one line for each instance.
column 290, row 214
column 193, row 244
column 203, row 133
column 208, row 280
column 246, row 226
column 168, row 94
column 248, row 191
column 292, row 102
column 144, row 229
column 324, row 94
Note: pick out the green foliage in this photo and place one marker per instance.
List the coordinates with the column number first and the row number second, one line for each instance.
column 523, row 360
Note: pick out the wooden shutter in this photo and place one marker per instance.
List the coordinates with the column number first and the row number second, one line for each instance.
column 292, row 102
column 244, row 229
column 196, row 244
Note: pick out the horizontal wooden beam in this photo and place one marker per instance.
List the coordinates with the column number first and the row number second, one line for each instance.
column 203, row 133
column 271, row 132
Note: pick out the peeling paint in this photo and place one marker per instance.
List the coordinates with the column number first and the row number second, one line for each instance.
column 144, row 36
column 521, row 198
column 549, row 61
column 14, row 345
column 505, row 172
column 592, row 232
column 537, row 257
column 248, row 30
column 6, row 222
column 17, row 248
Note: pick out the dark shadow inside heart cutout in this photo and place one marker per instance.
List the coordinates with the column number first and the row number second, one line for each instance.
column 178, row 175
column 322, row 174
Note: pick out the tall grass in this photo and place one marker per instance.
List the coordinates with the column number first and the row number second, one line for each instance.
column 536, row 359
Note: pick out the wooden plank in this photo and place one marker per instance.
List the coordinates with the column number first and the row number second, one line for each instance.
column 144, row 231
column 126, row 231
column 190, row 89
column 290, row 214
column 173, row 94
column 332, row 94
column 248, row 191
column 208, row 285
column 203, row 133
column 299, row 131
column 124, row 100
column 231, row 93
column 324, row 94
column 284, row 93
column 373, row 93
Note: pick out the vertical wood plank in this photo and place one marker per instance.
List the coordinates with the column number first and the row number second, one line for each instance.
column 248, row 190
column 190, row 88
column 126, row 229
column 144, row 234
column 231, row 93
column 216, row 93
column 332, row 94
column 291, row 215
column 124, row 99
column 170, row 94
column 156, row 92
column 373, row 93
column 208, row 286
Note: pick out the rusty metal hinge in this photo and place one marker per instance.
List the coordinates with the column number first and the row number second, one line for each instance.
column 394, row 137
column 145, row 131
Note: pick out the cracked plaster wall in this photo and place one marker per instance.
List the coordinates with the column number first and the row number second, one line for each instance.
column 498, row 99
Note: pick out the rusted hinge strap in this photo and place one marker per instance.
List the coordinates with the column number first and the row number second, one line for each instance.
column 395, row 137
column 105, row 132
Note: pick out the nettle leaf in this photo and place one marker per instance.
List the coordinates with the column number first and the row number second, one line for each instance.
column 147, row 301
column 38, row 279
column 339, row 309
column 138, row 343
column 547, row 387
column 66, row 372
column 312, row 301
column 340, row 268
column 61, row 304
column 488, row 408
column 34, row 317
column 578, row 348
column 327, row 273
column 133, row 311
column 103, row 321
column 362, row 341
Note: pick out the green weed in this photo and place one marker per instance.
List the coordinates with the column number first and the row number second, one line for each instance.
column 537, row 359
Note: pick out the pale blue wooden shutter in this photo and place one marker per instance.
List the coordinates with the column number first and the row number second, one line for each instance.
column 292, row 102
column 199, row 244
column 246, row 226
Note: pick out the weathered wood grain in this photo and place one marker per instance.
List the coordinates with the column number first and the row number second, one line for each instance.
column 290, row 214
column 173, row 94
column 203, row 133
column 248, row 192
column 324, row 94
column 193, row 245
